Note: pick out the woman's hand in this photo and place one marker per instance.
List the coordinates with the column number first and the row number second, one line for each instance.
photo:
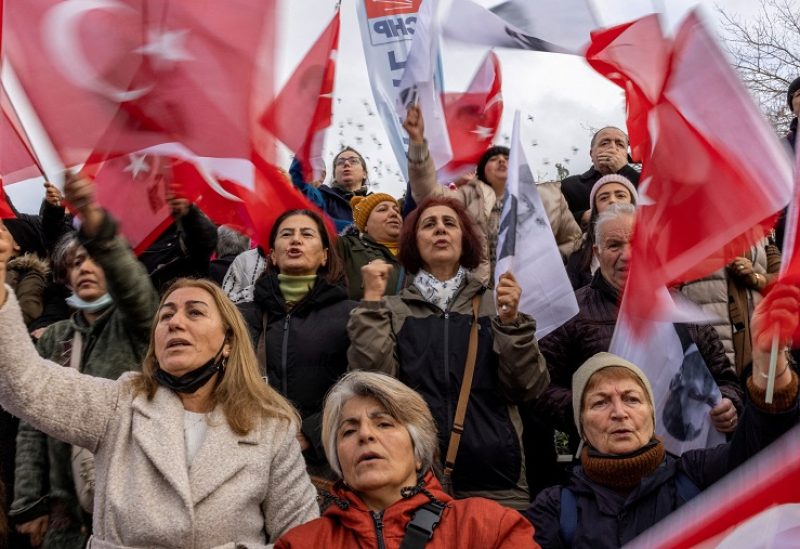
column 508, row 294
column 375, row 275
column 80, row 192
column 52, row 195
column 6, row 251
column 724, row 416
column 36, row 529
column 778, row 314
column 743, row 272
column 414, row 124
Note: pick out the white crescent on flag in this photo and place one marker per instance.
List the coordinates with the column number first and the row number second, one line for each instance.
column 60, row 37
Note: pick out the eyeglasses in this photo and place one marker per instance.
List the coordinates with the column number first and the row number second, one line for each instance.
column 347, row 161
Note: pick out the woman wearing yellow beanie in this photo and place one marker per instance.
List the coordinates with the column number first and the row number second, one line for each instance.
column 377, row 221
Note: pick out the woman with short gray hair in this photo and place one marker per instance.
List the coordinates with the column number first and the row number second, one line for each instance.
column 380, row 437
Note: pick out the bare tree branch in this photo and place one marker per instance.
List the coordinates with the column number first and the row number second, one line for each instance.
column 765, row 51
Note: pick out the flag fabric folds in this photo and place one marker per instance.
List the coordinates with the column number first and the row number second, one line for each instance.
column 559, row 26
column 526, row 247
column 303, row 109
column 17, row 162
column 118, row 76
column 473, row 117
column 710, row 181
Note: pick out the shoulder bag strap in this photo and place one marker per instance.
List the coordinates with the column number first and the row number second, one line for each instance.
column 76, row 353
column 423, row 522
column 466, row 387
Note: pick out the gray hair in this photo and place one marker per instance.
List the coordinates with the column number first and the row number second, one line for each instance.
column 400, row 401
column 62, row 254
column 231, row 242
column 614, row 211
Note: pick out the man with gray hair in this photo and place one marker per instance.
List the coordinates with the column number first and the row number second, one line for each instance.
column 609, row 153
column 590, row 331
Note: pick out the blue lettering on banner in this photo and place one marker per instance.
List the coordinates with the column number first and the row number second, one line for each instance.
column 385, row 30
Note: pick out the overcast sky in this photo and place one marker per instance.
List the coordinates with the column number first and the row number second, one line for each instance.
column 563, row 95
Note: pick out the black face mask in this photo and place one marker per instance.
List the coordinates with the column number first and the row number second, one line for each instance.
column 192, row 381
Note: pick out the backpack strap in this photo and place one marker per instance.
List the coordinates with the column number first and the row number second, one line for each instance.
column 568, row 518
column 423, row 522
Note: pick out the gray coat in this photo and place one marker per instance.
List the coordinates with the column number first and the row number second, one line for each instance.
column 241, row 491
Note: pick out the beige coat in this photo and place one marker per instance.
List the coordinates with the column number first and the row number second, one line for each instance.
column 479, row 200
column 241, row 491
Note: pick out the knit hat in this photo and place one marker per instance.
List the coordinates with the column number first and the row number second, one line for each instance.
column 363, row 206
column 594, row 364
column 613, row 178
column 490, row 152
column 793, row 87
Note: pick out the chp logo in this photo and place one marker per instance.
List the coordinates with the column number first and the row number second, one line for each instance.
column 391, row 20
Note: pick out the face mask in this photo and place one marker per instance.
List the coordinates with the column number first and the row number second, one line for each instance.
column 90, row 306
column 192, row 381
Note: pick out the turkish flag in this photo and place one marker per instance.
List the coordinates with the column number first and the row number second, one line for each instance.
column 133, row 188
column 303, row 109
column 118, row 76
column 474, row 116
column 17, row 162
column 5, row 208
column 711, row 181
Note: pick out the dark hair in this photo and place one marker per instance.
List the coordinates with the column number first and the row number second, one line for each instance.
column 360, row 159
column 62, row 256
column 471, row 240
column 490, row 152
column 332, row 270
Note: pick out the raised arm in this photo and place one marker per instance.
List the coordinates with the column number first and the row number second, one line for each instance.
column 58, row 401
column 127, row 279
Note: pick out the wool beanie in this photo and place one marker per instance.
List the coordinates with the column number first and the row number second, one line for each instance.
column 594, row 364
column 363, row 206
column 793, row 87
column 490, row 152
column 614, row 178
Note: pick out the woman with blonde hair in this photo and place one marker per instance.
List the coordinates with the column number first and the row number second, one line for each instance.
column 196, row 451
column 380, row 438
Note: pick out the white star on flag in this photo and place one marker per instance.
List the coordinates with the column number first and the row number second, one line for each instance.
column 166, row 45
column 137, row 165
column 482, row 132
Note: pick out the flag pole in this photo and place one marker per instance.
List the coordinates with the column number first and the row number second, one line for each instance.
column 773, row 362
column 41, row 145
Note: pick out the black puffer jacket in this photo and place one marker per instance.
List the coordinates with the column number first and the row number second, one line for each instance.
column 306, row 348
column 610, row 519
column 590, row 331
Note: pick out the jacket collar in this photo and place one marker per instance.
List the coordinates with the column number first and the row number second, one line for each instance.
column 268, row 295
column 602, row 285
column 157, row 427
column 471, row 286
column 348, row 508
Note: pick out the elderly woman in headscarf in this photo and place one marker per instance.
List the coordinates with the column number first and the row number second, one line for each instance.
column 421, row 336
column 380, row 438
column 626, row 482
column 194, row 451
column 375, row 236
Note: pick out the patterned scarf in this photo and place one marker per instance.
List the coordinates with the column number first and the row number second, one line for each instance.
column 439, row 292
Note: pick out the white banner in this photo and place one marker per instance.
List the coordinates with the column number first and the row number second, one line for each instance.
column 526, row 247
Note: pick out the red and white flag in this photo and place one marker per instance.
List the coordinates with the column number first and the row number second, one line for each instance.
column 473, row 117
column 5, row 208
column 711, row 182
column 17, row 162
column 302, row 111
column 118, row 76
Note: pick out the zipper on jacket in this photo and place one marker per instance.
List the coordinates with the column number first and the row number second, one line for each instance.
column 377, row 520
column 284, row 351
column 446, row 362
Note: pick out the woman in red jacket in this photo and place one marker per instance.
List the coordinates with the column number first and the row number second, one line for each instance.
column 379, row 436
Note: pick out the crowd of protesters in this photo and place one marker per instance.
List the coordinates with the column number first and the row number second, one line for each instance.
column 374, row 388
